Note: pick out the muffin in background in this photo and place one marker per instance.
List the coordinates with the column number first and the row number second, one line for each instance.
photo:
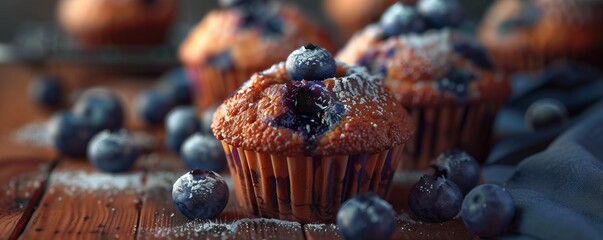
column 235, row 41
column 117, row 22
column 352, row 15
column 448, row 84
column 299, row 146
column 526, row 35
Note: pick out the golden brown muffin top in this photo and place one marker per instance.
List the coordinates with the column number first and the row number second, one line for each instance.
column 223, row 31
column 82, row 16
column 361, row 116
column 543, row 26
column 436, row 68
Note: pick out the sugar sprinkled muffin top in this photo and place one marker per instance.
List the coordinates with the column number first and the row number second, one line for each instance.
column 437, row 67
column 356, row 115
column 265, row 33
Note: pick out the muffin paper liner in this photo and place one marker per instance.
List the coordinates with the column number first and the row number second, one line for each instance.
column 437, row 129
column 307, row 188
column 212, row 85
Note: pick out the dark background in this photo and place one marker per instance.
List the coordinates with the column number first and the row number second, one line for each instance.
column 16, row 13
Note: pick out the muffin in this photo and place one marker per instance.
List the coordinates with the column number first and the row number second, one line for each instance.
column 447, row 83
column 298, row 148
column 117, row 22
column 232, row 43
column 401, row 19
column 526, row 35
column 352, row 15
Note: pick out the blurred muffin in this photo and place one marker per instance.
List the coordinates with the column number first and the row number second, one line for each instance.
column 449, row 86
column 117, row 22
column 401, row 19
column 352, row 15
column 526, row 35
column 298, row 148
column 232, row 43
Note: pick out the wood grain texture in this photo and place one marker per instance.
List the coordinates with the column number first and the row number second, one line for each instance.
column 81, row 203
column 160, row 219
column 22, row 182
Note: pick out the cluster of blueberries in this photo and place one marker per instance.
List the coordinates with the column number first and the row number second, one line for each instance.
column 486, row 210
column 402, row 18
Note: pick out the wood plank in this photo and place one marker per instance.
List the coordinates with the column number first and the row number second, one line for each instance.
column 22, row 182
column 160, row 219
column 83, row 203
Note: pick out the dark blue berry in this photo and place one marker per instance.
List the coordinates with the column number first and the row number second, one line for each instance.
column 203, row 152
column 311, row 63
column 176, row 86
column 207, row 119
column 474, row 53
column 46, row 91
column 460, row 168
column 70, row 134
column 311, row 110
column 526, row 18
column 545, row 113
column 153, row 106
column 222, row 61
column 200, row 194
column 456, row 81
column 441, row 13
column 112, row 152
column 366, row 216
column 181, row 123
column 101, row 107
column 402, row 18
column 435, row 199
column 488, row 210
column 237, row 3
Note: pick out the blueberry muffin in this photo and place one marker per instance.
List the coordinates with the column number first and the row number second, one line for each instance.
column 243, row 37
column 526, row 35
column 449, row 86
column 401, row 19
column 352, row 15
column 117, row 22
column 305, row 135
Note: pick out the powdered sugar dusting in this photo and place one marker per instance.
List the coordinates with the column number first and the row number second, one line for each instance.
column 258, row 226
column 360, row 88
column 79, row 182
column 33, row 134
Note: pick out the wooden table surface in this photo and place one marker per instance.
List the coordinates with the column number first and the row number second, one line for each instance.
column 45, row 196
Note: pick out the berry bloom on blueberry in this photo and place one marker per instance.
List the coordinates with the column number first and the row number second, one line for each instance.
column 435, row 199
column 200, row 194
column 488, row 210
column 311, row 63
column 366, row 216
column 112, row 151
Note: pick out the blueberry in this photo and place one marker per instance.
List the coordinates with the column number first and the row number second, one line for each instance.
column 456, row 81
column 176, row 86
column 366, row 216
column 475, row 53
column 435, row 199
column 181, row 123
column 545, row 113
column 46, row 91
column 460, row 168
column 441, row 13
column 112, row 152
column 311, row 62
column 70, row 134
column 203, row 152
column 207, row 118
column 488, row 210
column 311, row 110
column 402, row 18
column 101, row 107
column 200, row 194
column 237, row 3
column 153, row 106
column 222, row 61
